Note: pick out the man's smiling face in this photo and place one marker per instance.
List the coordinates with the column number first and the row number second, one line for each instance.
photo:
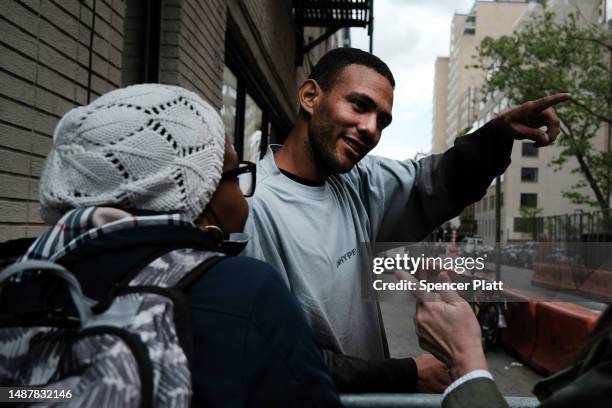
column 348, row 119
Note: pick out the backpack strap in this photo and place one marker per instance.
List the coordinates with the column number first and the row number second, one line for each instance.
column 189, row 279
column 82, row 303
column 183, row 325
column 178, row 293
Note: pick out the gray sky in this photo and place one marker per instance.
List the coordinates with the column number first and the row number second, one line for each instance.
column 408, row 36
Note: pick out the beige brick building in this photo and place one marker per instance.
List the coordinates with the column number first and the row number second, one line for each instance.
column 530, row 181
column 440, row 100
column 457, row 85
column 240, row 55
column 486, row 18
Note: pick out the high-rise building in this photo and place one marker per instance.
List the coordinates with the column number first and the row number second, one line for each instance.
column 486, row 18
column 457, row 83
column 531, row 181
column 440, row 99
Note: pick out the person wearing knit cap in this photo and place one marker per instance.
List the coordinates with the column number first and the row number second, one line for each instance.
column 147, row 147
column 148, row 167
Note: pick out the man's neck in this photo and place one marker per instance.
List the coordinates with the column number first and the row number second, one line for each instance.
column 296, row 156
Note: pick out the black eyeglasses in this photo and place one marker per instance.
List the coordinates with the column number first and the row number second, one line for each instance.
column 246, row 177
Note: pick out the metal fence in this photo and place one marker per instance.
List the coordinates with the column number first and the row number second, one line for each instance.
column 580, row 226
column 416, row 401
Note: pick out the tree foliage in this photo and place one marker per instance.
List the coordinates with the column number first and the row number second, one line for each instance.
column 529, row 220
column 549, row 55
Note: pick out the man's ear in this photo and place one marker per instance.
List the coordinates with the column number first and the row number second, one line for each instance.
column 308, row 95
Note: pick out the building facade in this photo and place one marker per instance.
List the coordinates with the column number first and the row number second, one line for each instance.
column 440, row 100
column 530, row 182
column 240, row 55
column 457, row 83
column 486, row 18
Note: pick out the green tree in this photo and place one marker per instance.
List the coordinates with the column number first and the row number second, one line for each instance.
column 549, row 56
column 529, row 220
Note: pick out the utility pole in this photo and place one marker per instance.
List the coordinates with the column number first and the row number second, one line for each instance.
column 498, row 228
column 608, row 26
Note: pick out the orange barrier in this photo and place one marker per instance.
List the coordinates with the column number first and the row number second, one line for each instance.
column 561, row 329
column 546, row 274
column 597, row 285
column 592, row 283
column 556, row 276
column 519, row 336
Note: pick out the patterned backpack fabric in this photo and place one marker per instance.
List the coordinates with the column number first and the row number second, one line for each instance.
column 131, row 350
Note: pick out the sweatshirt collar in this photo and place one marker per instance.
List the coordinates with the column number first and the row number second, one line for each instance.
column 269, row 167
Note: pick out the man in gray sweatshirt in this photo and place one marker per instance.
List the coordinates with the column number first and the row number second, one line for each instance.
column 319, row 196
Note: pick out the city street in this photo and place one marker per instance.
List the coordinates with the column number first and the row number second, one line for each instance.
column 513, row 378
column 520, row 278
column 142, row 139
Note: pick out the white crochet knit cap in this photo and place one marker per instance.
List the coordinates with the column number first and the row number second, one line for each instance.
column 150, row 147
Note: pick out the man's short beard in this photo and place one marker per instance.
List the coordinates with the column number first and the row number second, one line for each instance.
column 323, row 157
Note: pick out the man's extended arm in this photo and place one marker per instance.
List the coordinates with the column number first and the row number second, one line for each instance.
column 423, row 373
column 444, row 184
column 448, row 182
column 407, row 200
column 353, row 374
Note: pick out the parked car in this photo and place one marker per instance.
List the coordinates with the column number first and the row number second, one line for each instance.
column 472, row 246
column 510, row 254
column 525, row 254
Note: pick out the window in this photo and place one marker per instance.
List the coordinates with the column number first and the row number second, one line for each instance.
column 244, row 120
column 529, row 200
column 252, row 114
column 253, row 117
column 522, row 224
column 491, row 202
column 528, row 150
column 529, row 174
column 528, row 225
column 141, row 50
column 229, row 92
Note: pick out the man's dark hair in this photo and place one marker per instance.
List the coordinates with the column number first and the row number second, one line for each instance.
column 326, row 71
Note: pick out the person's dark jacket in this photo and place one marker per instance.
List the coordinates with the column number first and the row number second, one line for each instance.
column 586, row 384
column 251, row 343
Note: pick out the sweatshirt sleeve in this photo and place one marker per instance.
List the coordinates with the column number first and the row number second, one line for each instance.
column 407, row 200
column 356, row 375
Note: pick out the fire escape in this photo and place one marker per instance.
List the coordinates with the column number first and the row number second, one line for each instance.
column 333, row 15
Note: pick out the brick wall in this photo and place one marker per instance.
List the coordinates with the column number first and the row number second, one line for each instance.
column 45, row 70
column 43, row 73
column 274, row 20
column 193, row 45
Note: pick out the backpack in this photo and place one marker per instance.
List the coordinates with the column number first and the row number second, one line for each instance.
column 133, row 349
